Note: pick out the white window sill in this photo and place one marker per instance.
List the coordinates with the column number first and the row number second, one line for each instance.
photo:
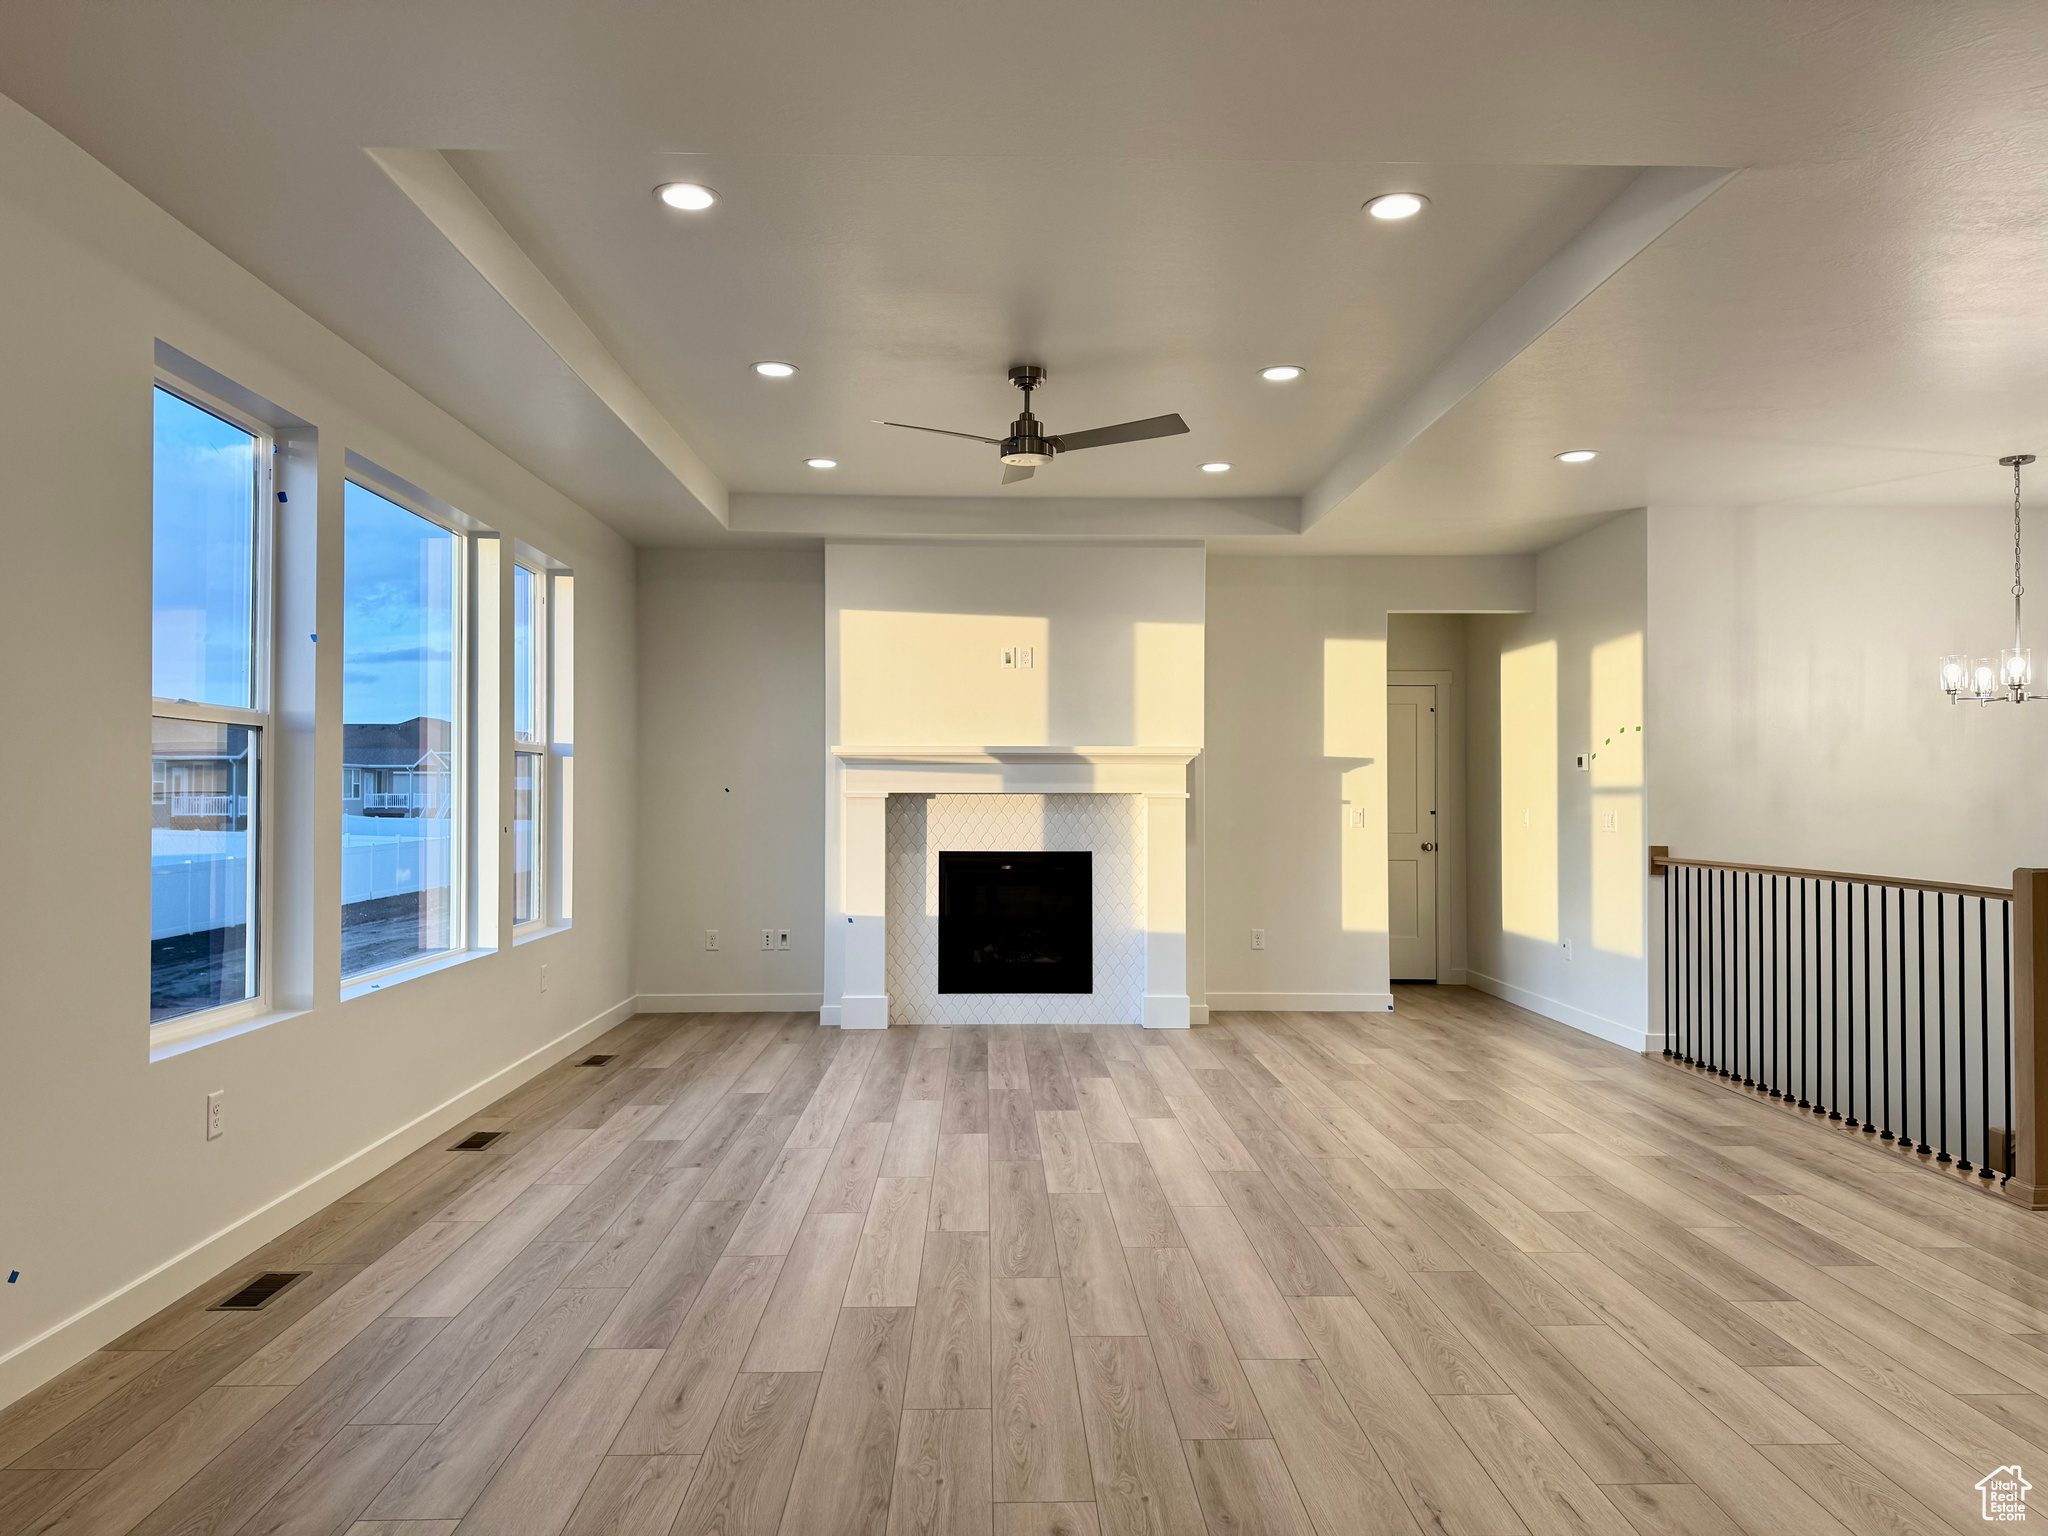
column 384, row 981
column 539, row 931
column 216, row 1024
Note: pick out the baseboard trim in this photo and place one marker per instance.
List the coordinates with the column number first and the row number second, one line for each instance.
column 62, row 1345
column 1198, row 1015
column 730, row 1002
column 1631, row 1036
column 1301, row 1002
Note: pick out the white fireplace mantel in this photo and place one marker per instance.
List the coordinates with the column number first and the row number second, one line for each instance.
column 868, row 775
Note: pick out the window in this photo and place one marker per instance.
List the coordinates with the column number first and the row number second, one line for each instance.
column 401, row 707
column 543, row 722
column 209, row 665
column 529, row 740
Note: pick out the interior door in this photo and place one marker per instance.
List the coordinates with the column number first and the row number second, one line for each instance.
column 1411, row 830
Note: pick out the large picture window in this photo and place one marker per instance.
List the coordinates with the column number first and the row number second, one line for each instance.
column 401, row 709
column 210, row 678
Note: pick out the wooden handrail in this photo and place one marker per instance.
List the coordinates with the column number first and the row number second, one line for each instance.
column 1661, row 859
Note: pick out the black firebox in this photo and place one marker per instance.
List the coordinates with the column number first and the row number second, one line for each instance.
column 1016, row 922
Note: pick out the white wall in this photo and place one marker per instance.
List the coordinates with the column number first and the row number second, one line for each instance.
column 113, row 1202
column 732, row 777
column 1430, row 647
column 1572, row 683
column 1297, row 730
column 1795, row 717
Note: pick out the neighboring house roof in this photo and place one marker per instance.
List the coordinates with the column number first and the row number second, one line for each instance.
column 404, row 744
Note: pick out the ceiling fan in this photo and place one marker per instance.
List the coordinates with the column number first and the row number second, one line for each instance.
column 1029, row 445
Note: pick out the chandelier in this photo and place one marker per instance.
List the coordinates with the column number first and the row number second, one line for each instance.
column 2008, row 682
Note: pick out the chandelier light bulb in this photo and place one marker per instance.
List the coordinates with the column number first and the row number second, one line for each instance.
column 1955, row 672
column 1984, row 681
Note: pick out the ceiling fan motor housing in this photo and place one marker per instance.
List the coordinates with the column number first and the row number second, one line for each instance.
column 1026, row 447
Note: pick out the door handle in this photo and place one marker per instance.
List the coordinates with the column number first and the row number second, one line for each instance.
column 1429, row 847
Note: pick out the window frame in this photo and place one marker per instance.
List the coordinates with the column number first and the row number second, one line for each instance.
column 462, row 739
column 538, row 744
column 258, row 947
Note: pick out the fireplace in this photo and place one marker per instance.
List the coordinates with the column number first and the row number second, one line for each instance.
column 1016, row 922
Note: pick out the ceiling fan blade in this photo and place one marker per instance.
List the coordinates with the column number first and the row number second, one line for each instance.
column 943, row 432
column 1123, row 432
column 1012, row 473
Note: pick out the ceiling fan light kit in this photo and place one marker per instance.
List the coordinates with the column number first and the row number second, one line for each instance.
column 1029, row 445
column 2011, row 679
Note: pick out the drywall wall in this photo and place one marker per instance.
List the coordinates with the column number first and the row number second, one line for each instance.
column 732, row 777
column 1297, row 717
column 114, row 1202
column 1795, row 717
column 1558, row 854
column 1430, row 648
column 916, row 637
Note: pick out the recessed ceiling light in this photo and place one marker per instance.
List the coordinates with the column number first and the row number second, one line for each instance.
column 822, row 463
column 1218, row 468
column 1397, row 205
column 1281, row 373
column 686, row 195
column 1577, row 456
column 775, row 370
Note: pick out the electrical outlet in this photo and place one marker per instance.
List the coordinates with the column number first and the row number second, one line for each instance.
column 767, row 938
column 1027, row 657
column 1610, row 821
column 543, row 978
column 711, row 938
column 1258, row 938
column 216, row 1114
column 782, row 938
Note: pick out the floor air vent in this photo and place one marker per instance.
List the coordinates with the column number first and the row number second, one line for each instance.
column 593, row 1061
column 258, row 1293
column 476, row 1141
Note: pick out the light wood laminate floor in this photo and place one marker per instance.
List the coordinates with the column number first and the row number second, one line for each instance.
column 1451, row 1269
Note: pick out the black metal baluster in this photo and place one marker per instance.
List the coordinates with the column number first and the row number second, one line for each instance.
column 1833, row 1000
column 1716, row 959
column 1750, row 1014
column 1867, row 1123
column 1884, row 982
column 1727, row 973
column 1670, row 975
column 1692, row 1056
column 1781, row 972
column 1941, row 1017
column 1799, row 967
column 1984, row 1036
column 1963, row 1163
column 1920, row 923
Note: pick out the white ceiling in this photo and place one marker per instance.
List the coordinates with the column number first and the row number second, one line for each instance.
column 1152, row 200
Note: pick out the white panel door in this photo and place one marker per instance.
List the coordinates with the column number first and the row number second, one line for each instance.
column 1411, row 830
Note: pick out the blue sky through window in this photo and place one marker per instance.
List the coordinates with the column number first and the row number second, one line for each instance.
column 398, row 613
column 204, row 556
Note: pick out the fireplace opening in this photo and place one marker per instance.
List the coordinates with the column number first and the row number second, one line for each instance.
column 1016, row 922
